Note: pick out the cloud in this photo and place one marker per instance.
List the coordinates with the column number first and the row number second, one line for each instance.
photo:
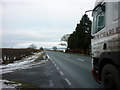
column 34, row 34
column 40, row 20
column 44, row 10
column 24, row 37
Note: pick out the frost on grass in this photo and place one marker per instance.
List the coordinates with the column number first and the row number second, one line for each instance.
column 8, row 84
column 34, row 60
column 25, row 63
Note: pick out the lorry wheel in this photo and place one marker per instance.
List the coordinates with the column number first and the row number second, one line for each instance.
column 111, row 77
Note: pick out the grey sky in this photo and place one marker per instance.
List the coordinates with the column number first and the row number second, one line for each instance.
column 41, row 22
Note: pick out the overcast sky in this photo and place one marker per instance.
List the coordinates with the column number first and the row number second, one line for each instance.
column 39, row 22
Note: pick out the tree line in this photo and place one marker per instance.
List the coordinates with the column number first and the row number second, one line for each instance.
column 80, row 39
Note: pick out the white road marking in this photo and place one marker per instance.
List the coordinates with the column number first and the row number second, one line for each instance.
column 53, row 62
column 67, row 81
column 61, row 73
column 55, row 65
column 48, row 56
column 57, row 68
column 80, row 60
column 50, row 59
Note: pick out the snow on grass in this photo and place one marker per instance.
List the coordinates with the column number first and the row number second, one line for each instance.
column 8, row 84
column 17, row 65
column 22, row 64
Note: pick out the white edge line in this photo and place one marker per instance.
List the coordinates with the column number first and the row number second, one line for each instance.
column 55, row 65
column 61, row 73
column 58, row 68
column 67, row 81
column 50, row 58
column 53, row 62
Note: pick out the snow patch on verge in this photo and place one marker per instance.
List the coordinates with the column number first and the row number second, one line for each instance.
column 22, row 64
column 8, row 84
column 25, row 63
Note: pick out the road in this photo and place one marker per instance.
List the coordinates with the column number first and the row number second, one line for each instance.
column 75, row 69
column 43, row 75
column 61, row 70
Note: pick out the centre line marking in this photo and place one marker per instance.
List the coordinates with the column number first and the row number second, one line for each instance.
column 61, row 73
column 68, row 81
column 80, row 60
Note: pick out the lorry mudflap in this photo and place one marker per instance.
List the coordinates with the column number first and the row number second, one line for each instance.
column 96, row 76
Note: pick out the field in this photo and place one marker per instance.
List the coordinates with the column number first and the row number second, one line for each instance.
column 9, row 55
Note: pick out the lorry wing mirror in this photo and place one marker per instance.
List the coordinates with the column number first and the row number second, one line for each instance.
column 88, row 11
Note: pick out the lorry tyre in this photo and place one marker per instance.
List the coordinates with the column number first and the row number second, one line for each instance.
column 111, row 77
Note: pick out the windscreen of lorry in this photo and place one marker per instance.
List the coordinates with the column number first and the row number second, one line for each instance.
column 98, row 19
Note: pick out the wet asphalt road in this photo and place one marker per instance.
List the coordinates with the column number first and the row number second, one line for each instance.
column 60, row 71
column 75, row 69
column 40, row 76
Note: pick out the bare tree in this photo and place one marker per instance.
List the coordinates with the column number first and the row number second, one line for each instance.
column 65, row 37
column 41, row 49
column 54, row 48
column 32, row 46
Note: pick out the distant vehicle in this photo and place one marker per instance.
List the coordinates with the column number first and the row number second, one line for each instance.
column 105, row 43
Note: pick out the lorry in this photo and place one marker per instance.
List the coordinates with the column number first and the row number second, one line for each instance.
column 105, row 43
